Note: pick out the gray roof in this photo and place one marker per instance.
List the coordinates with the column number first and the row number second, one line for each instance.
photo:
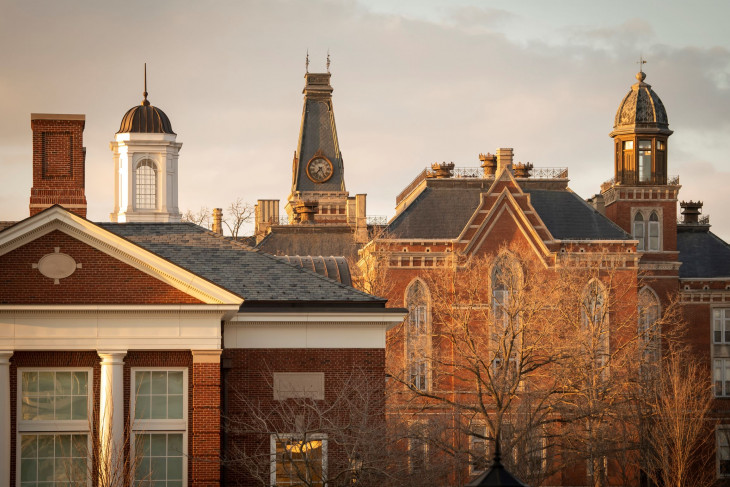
column 702, row 254
column 259, row 278
column 310, row 240
column 443, row 212
column 335, row 268
column 568, row 217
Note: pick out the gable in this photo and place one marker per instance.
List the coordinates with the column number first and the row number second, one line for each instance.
column 97, row 278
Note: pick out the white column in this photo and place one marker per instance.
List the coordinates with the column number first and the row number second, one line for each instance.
column 5, row 417
column 111, row 411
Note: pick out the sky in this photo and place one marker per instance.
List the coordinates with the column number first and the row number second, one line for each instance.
column 415, row 82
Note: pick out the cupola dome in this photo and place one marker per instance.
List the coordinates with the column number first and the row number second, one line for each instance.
column 641, row 110
column 144, row 118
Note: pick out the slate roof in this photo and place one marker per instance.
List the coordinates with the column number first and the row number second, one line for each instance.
column 310, row 240
column 335, row 268
column 568, row 217
column 442, row 212
column 259, row 278
column 702, row 254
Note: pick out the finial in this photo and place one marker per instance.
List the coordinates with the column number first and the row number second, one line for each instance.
column 641, row 76
column 328, row 60
column 306, row 63
column 145, row 102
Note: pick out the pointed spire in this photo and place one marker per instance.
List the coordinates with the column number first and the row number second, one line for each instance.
column 306, row 63
column 145, row 102
column 328, row 60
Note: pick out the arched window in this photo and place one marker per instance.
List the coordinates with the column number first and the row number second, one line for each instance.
column 653, row 232
column 648, row 327
column 595, row 321
column 506, row 337
column 418, row 334
column 639, row 230
column 146, row 185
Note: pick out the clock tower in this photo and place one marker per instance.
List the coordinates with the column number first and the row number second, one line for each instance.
column 318, row 193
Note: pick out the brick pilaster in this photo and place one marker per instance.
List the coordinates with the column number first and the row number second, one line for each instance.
column 206, row 424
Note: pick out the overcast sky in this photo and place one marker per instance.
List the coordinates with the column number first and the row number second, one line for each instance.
column 415, row 82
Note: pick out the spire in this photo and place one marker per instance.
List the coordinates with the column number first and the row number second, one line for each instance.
column 641, row 75
column 328, row 60
column 145, row 102
column 306, row 63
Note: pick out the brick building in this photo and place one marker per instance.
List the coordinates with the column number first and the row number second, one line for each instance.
column 130, row 346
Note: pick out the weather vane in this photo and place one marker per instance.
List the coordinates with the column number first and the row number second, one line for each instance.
column 306, row 63
column 641, row 62
column 328, row 60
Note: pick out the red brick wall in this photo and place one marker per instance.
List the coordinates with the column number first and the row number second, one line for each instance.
column 59, row 160
column 251, row 376
column 206, row 425
column 92, row 284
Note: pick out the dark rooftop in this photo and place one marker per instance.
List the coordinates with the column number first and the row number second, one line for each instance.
column 702, row 254
column 310, row 240
column 442, row 211
column 259, row 278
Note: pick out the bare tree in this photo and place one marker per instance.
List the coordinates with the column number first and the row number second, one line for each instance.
column 312, row 441
column 202, row 217
column 237, row 214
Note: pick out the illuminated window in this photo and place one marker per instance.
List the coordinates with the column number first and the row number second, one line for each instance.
column 644, row 160
column 146, row 185
column 53, row 427
column 297, row 460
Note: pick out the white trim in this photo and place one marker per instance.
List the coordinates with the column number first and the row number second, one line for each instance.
column 322, row 317
column 57, row 218
column 293, row 334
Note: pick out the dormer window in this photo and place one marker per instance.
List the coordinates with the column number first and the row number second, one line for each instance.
column 644, row 160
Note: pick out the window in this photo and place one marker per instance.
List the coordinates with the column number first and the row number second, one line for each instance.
column 418, row 334
column 146, row 185
column 595, row 322
column 159, row 427
column 297, row 460
column 639, row 230
column 417, row 454
column 721, row 325
column 478, row 449
column 53, row 426
column 722, row 377
column 722, row 439
column 644, row 160
column 649, row 332
column 653, row 232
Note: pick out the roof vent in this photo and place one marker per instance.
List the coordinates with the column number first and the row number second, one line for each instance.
column 489, row 164
column 522, row 170
column 441, row 171
column 691, row 211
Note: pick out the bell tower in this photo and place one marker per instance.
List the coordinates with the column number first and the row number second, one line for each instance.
column 642, row 197
column 318, row 193
column 145, row 166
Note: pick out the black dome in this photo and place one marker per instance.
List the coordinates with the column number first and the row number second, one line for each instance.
column 145, row 119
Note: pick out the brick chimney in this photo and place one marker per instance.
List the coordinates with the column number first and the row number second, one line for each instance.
column 217, row 221
column 505, row 156
column 59, row 162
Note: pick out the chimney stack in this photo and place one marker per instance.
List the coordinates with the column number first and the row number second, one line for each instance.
column 691, row 211
column 504, row 159
column 217, row 221
column 59, row 162
column 266, row 214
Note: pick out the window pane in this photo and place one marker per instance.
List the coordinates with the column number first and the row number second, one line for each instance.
column 63, row 383
column 63, row 407
column 158, row 407
column 159, row 382
column 175, row 407
column 30, row 382
column 142, row 407
column 628, row 144
column 174, row 445
column 143, row 382
column 80, row 383
column 644, row 144
column 46, row 382
column 79, row 407
column 45, row 408
column 175, row 384
column 158, row 445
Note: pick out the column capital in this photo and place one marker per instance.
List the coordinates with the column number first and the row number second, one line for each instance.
column 5, row 356
column 112, row 357
column 206, row 356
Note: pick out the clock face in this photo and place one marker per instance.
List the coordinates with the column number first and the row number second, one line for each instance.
column 319, row 169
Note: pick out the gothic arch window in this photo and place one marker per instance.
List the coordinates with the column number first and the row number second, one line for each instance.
column 506, row 337
column 418, row 334
column 646, row 229
column 595, row 322
column 649, row 332
column 145, row 186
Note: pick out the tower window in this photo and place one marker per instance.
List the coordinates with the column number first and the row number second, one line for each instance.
column 639, row 231
column 653, row 231
column 146, row 185
column 644, row 160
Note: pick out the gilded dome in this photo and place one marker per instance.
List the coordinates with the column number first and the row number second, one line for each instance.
column 145, row 119
column 641, row 110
